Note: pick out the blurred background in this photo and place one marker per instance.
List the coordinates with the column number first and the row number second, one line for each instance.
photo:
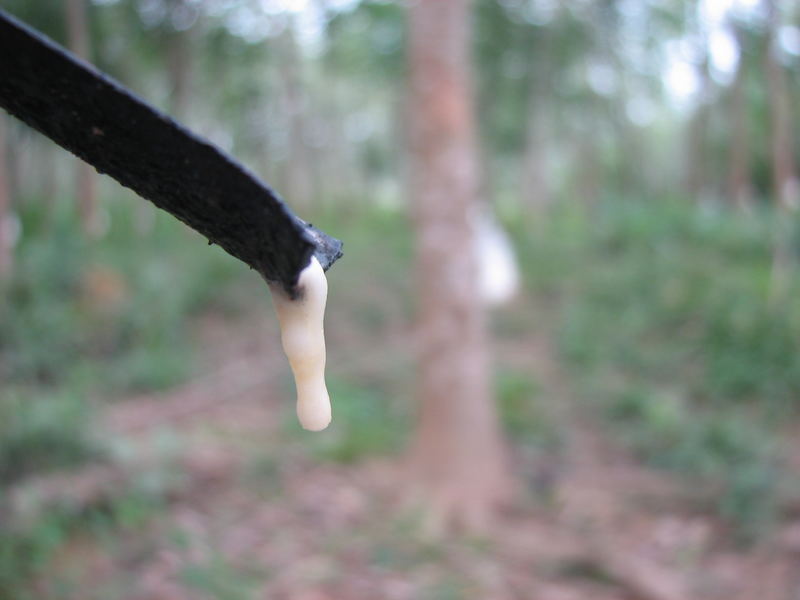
column 635, row 164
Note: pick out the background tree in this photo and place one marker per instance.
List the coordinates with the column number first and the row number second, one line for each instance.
column 457, row 456
column 86, row 187
column 785, row 184
column 740, row 185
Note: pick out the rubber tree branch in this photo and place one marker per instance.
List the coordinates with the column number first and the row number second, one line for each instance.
column 109, row 127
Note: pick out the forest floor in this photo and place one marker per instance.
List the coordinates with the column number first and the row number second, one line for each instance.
column 247, row 511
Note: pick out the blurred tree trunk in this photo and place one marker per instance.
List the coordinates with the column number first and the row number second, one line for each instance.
column 179, row 67
column 740, row 187
column 457, row 457
column 86, row 189
column 536, row 187
column 6, row 255
column 784, row 177
column 299, row 182
column 589, row 179
column 697, row 150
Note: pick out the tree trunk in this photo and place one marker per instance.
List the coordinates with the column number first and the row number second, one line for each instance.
column 536, row 185
column 457, row 458
column 784, row 177
column 740, row 187
column 697, row 151
column 179, row 67
column 85, row 188
column 6, row 233
column 178, row 43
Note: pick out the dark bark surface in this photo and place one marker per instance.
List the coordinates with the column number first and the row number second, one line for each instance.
column 107, row 126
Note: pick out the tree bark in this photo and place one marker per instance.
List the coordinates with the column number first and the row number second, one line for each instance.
column 85, row 188
column 457, row 458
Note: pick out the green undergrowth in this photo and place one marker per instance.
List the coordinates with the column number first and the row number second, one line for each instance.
column 109, row 313
column 82, row 322
column 96, row 319
column 368, row 422
column 40, row 433
column 663, row 312
column 519, row 399
column 26, row 552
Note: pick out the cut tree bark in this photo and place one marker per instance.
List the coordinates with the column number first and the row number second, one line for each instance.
column 457, row 459
column 119, row 134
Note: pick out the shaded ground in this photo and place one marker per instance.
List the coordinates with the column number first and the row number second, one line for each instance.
column 246, row 509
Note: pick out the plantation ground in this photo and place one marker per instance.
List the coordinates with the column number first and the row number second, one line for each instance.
column 647, row 469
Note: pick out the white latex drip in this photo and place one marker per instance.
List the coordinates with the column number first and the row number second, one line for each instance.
column 303, row 340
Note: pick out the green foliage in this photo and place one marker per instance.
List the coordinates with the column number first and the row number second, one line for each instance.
column 663, row 310
column 41, row 432
column 81, row 319
column 22, row 554
column 368, row 41
column 216, row 579
column 725, row 448
column 367, row 424
column 517, row 394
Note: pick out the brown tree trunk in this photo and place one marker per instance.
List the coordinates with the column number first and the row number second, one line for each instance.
column 299, row 182
column 697, row 151
column 536, row 184
column 740, row 187
column 457, row 458
column 784, row 177
column 179, row 65
column 6, row 255
column 85, row 188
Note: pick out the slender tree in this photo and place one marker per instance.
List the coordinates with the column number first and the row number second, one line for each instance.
column 536, row 183
column 457, row 459
column 179, row 62
column 784, row 177
column 697, row 164
column 740, row 186
column 299, row 183
column 86, row 189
